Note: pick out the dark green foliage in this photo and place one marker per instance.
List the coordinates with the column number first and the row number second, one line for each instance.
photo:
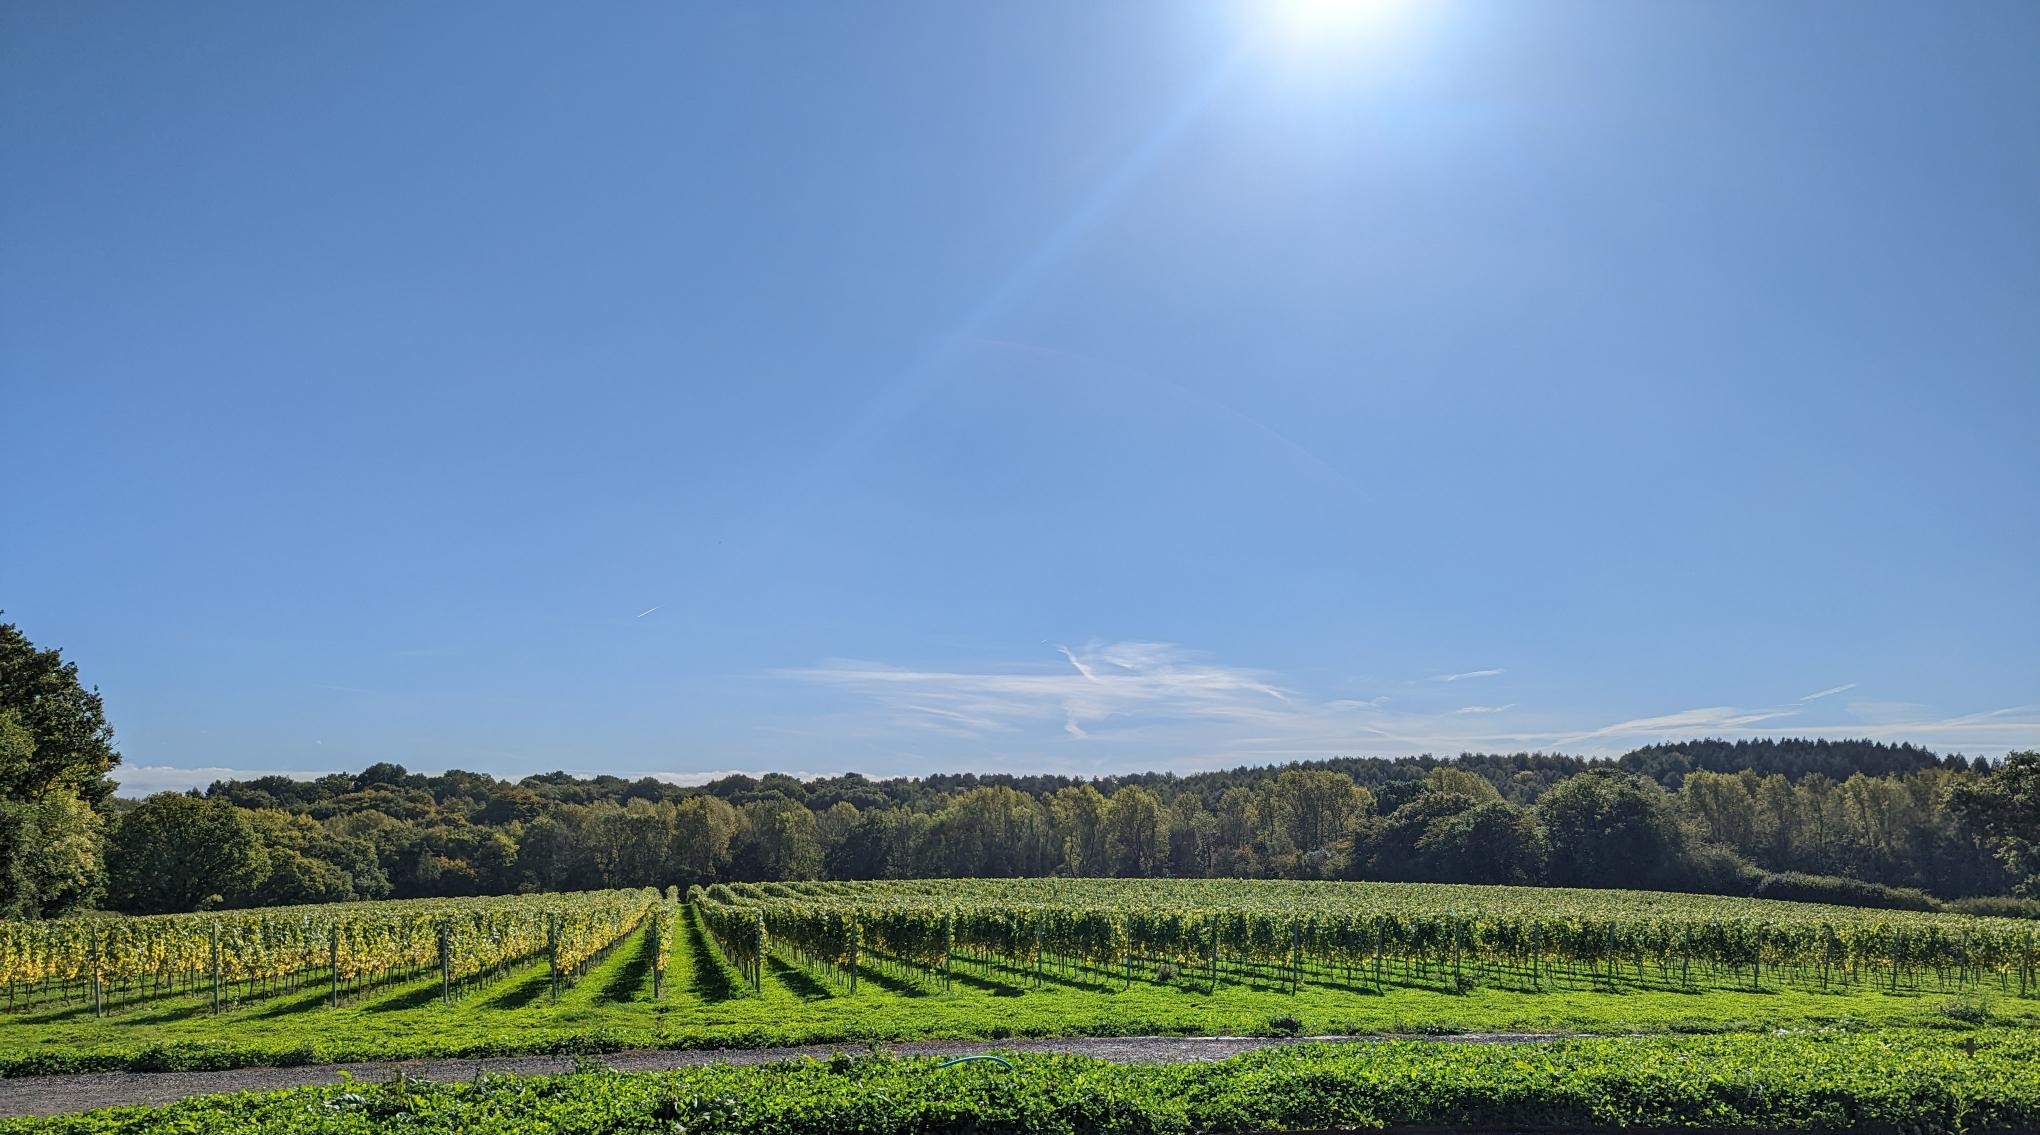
column 71, row 747
column 55, row 751
column 1791, row 757
column 1450, row 837
column 2005, row 806
column 1996, row 907
column 178, row 853
column 1920, row 1083
column 1608, row 829
column 1842, row 892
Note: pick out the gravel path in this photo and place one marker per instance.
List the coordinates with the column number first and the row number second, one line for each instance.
column 57, row 1095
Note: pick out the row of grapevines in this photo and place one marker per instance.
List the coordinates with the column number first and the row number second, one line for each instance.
column 1361, row 925
column 350, row 942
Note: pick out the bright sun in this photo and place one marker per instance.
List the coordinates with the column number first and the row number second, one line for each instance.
column 1329, row 25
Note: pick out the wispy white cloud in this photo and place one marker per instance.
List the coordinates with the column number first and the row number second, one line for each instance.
column 144, row 780
column 1830, row 692
column 697, row 779
column 1116, row 706
column 1107, row 684
column 1467, row 675
column 1356, row 703
column 1686, row 722
column 1083, row 669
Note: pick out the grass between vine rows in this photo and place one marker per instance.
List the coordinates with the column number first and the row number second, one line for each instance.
column 706, row 1006
column 1918, row 1082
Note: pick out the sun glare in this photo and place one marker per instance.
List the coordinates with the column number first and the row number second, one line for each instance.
column 1330, row 26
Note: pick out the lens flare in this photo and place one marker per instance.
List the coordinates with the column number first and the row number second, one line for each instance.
column 1312, row 26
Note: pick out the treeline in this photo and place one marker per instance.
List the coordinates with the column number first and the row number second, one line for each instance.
column 1896, row 840
column 1850, row 821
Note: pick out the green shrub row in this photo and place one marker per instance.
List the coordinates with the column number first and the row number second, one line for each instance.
column 1911, row 1082
column 1837, row 890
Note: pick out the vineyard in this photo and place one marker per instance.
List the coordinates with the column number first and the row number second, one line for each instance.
column 1375, row 934
column 755, row 965
column 345, row 948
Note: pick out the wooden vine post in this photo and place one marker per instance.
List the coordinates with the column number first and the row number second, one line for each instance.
column 948, row 944
column 98, row 996
column 333, row 962
column 216, row 966
column 552, row 952
column 1217, row 928
column 445, row 967
column 658, row 959
column 1295, row 955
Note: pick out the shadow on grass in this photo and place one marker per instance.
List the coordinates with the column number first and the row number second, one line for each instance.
column 178, row 1013
column 416, row 998
column 799, row 984
column 43, row 1016
column 631, row 977
column 710, row 980
column 961, row 976
column 1357, row 986
column 1050, row 977
column 166, row 1006
column 521, row 991
column 890, row 983
column 285, row 1004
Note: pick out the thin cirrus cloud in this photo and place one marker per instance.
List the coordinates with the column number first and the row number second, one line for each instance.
column 1136, row 705
column 1688, row 722
column 1127, row 683
column 144, row 780
column 1133, row 706
column 1467, row 675
column 1830, row 692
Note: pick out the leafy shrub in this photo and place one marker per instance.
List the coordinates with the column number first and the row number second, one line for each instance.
column 1795, row 887
column 1966, row 1009
column 1919, row 1081
column 1996, row 907
column 1167, row 973
column 1286, row 1024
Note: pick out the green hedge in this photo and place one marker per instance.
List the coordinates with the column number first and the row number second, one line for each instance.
column 1992, row 906
column 1913, row 1082
column 1834, row 889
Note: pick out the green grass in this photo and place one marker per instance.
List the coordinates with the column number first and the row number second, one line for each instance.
column 1911, row 1082
column 706, row 1005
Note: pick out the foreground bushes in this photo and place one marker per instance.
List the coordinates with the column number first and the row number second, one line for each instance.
column 1914, row 1082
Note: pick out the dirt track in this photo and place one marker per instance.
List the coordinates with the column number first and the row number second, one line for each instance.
column 56, row 1095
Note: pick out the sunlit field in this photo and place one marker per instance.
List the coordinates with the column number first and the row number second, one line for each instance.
column 1113, row 958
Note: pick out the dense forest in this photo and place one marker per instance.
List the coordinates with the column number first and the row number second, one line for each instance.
column 1845, row 821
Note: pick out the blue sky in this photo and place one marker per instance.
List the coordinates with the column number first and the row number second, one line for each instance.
column 669, row 388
